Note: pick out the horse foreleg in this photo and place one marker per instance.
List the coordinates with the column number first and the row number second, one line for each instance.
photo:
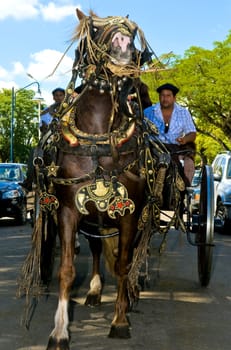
column 59, row 337
column 120, row 326
column 94, row 294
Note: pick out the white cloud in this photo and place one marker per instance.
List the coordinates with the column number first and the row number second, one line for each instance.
column 3, row 73
column 7, row 85
column 18, row 68
column 18, row 10
column 29, row 9
column 47, row 97
column 52, row 12
column 44, row 62
column 41, row 65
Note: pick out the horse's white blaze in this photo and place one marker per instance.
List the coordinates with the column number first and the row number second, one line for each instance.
column 61, row 321
column 121, row 40
column 95, row 285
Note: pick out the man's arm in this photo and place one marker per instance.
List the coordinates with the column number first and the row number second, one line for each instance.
column 190, row 137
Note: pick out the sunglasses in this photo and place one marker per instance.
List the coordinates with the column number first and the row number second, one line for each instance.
column 166, row 128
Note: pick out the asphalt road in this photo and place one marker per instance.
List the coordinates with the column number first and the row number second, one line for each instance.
column 174, row 312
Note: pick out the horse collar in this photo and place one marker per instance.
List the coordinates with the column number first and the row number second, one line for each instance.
column 93, row 77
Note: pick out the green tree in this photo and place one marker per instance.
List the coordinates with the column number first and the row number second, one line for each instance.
column 25, row 129
column 203, row 77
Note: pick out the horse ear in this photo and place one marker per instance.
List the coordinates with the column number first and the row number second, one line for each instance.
column 80, row 14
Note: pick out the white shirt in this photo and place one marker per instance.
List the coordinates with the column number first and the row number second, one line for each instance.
column 181, row 122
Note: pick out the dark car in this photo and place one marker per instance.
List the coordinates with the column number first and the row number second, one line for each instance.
column 13, row 197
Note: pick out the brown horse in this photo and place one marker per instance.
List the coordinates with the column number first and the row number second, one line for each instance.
column 100, row 167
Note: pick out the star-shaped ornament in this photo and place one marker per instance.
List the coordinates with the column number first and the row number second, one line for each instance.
column 52, row 169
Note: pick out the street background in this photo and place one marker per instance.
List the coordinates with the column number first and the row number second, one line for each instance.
column 174, row 312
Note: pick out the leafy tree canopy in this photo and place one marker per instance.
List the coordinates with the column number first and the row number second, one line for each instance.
column 203, row 77
column 25, row 124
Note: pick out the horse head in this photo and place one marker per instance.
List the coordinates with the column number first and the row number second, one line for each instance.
column 108, row 45
column 109, row 65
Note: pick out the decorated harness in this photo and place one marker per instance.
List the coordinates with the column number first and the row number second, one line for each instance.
column 96, row 69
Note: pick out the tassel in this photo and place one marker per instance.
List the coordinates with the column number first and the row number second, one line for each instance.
column 29, row 282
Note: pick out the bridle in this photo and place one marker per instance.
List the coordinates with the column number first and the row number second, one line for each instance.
column 93, row 64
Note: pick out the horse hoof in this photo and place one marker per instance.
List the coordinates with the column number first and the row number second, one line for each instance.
column 119, row 332
column 54, row 344
column 93, row 300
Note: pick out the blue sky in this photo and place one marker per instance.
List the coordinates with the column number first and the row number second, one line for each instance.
column 35, row 33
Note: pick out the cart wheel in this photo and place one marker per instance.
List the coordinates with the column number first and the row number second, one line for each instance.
column 205, row 232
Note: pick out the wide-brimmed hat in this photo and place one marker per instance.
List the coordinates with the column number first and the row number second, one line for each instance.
column 168, row 86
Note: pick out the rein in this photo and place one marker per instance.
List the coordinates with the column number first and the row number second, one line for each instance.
column 109, row 235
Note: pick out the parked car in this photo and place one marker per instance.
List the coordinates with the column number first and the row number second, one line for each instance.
column 222, row 191
column 195, row 189
column 13, row 197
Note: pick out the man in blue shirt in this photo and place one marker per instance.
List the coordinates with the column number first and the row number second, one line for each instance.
column 47, row 115
column 175, row 125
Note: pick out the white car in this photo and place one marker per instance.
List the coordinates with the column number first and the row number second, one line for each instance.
column 222, row 191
